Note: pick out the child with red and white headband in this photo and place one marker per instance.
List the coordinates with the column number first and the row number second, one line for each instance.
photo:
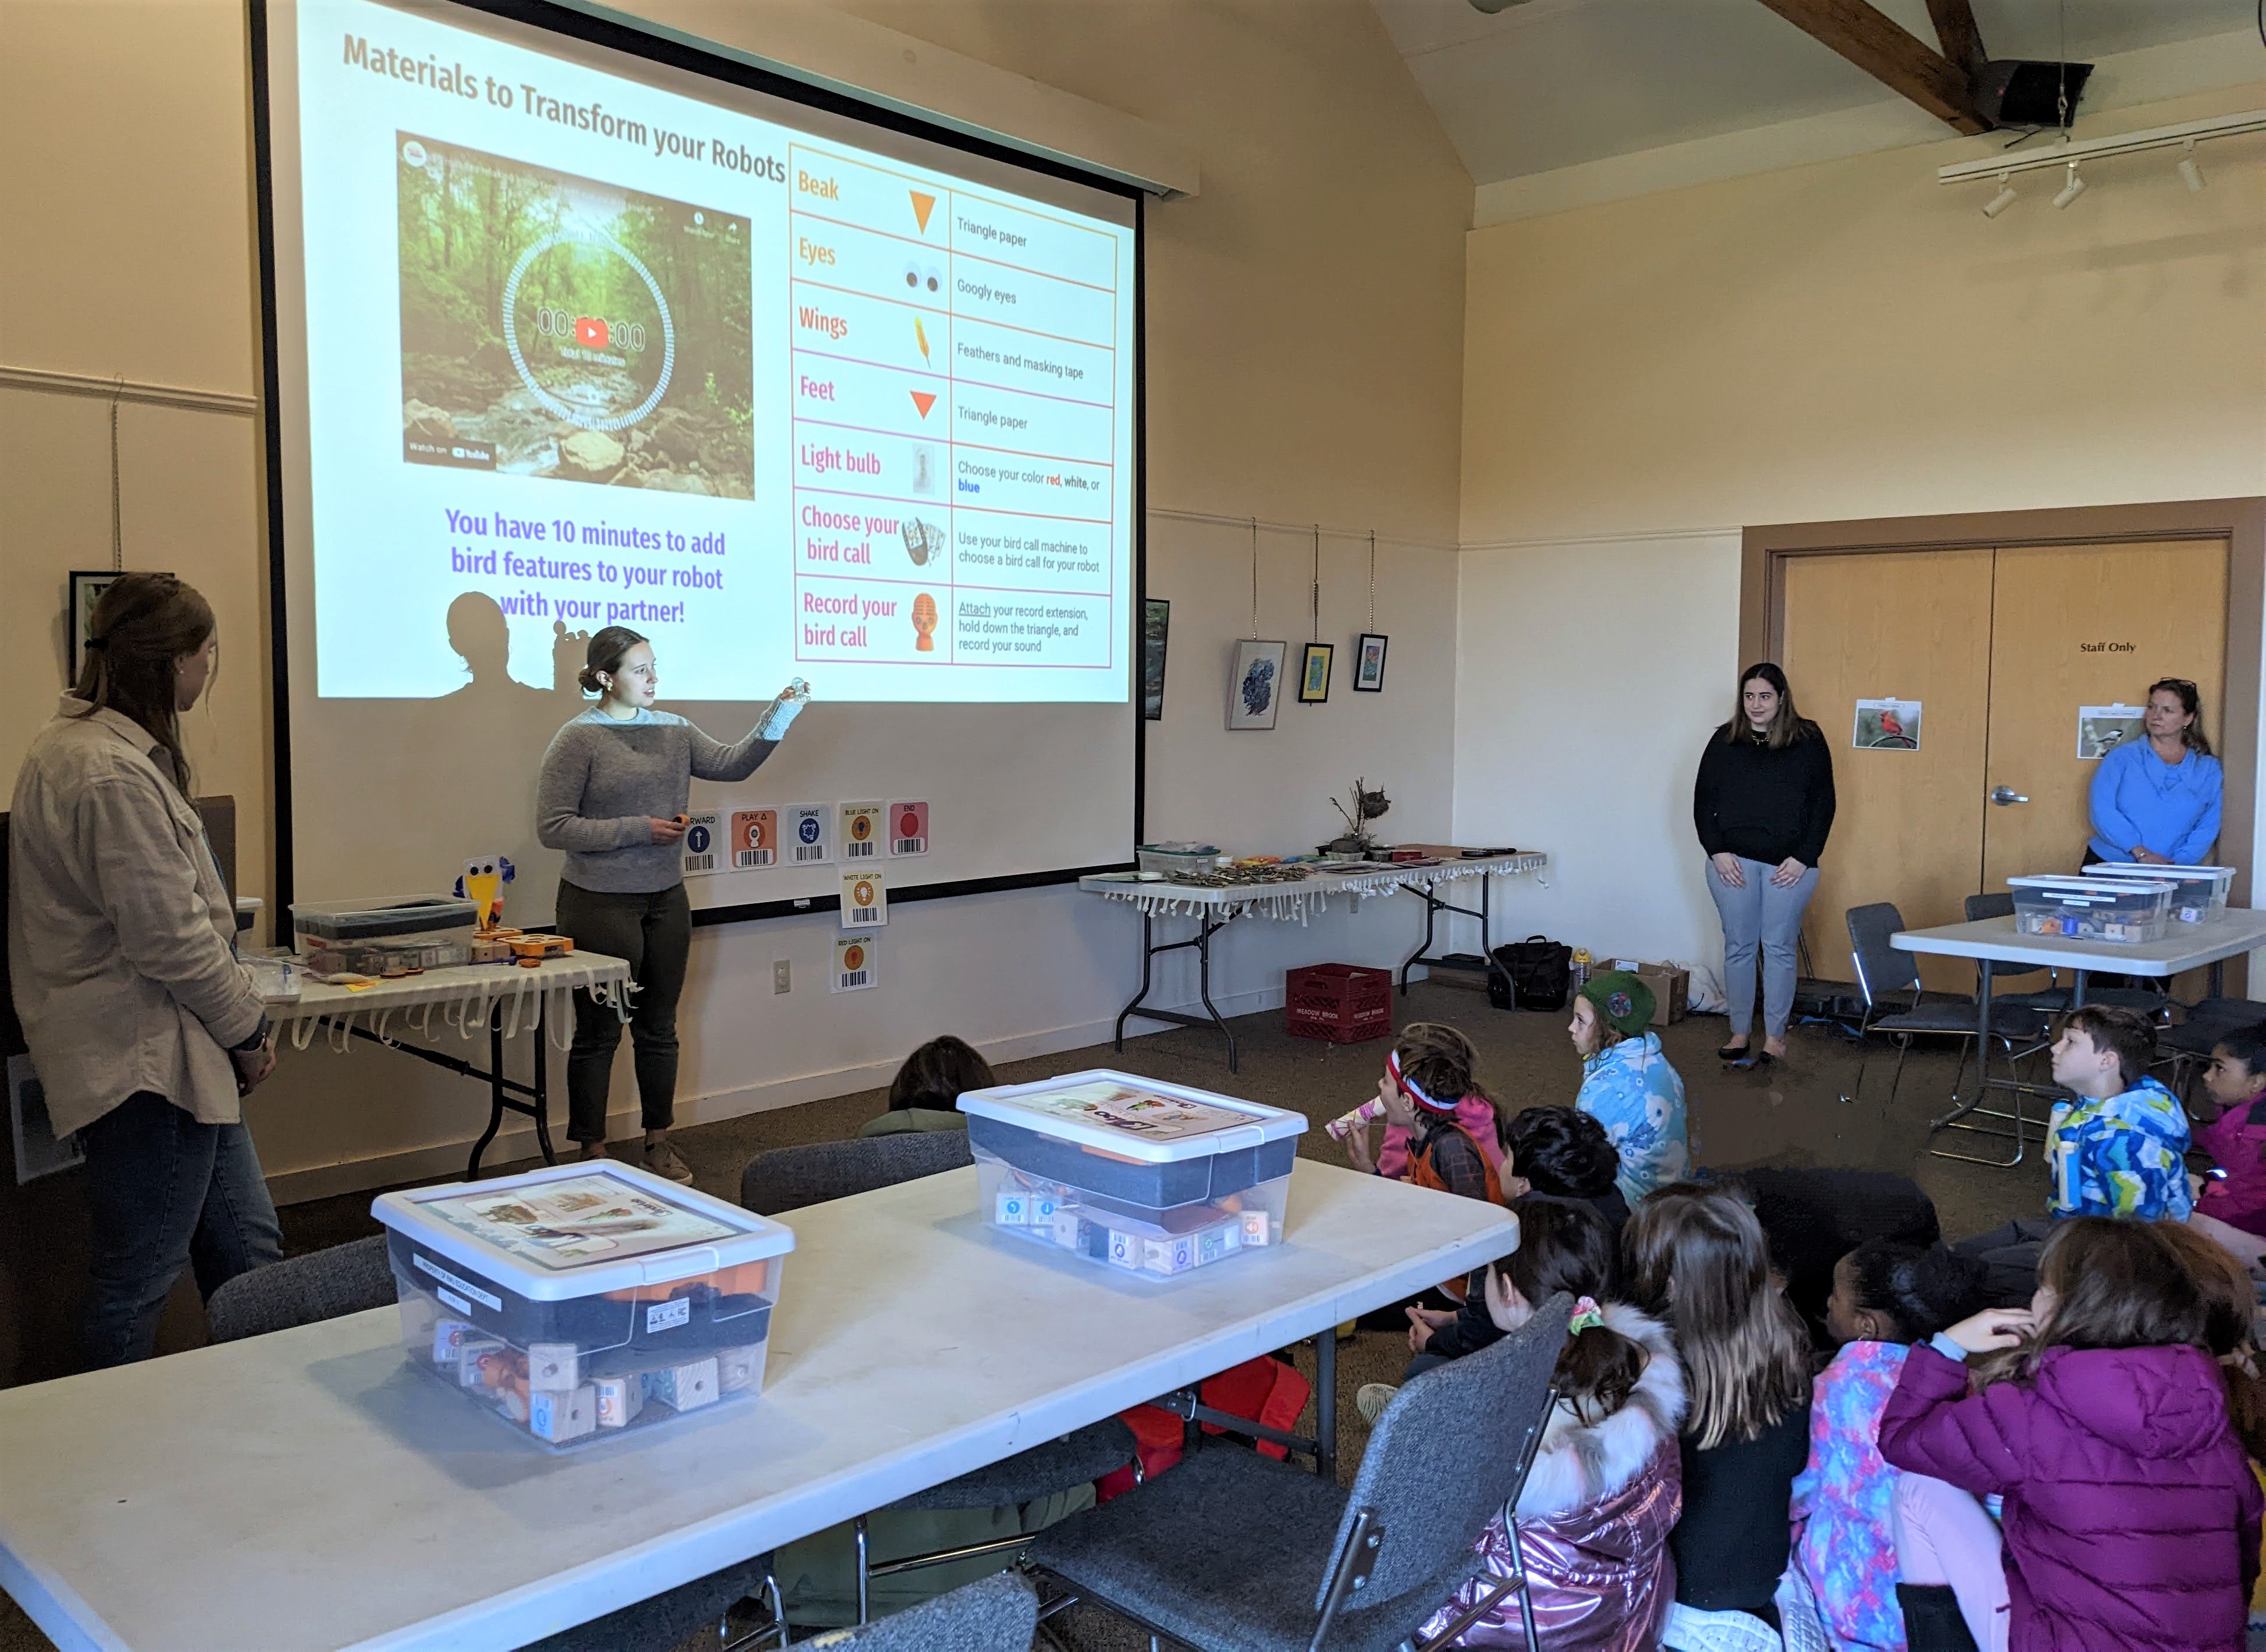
column 1441, row 1129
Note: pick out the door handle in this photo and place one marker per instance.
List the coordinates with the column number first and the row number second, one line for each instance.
column 2003, row 795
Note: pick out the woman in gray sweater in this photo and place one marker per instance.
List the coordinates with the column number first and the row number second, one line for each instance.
column 613, row 783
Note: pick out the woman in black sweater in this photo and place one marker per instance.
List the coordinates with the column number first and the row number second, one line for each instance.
column 1763, row 803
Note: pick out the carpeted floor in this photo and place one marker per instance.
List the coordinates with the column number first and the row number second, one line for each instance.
column 1789, row 1114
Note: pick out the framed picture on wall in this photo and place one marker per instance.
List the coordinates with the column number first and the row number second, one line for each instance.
column 1368, row 663
column 1156, row 622
column 1314, row 674
column 1254, row 684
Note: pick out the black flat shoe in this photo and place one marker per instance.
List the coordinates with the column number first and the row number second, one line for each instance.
column 1734, row 1052
column 1751, row 1059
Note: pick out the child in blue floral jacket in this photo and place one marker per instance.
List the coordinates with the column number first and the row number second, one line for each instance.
column 1886, row 1297
column 1627, row 1083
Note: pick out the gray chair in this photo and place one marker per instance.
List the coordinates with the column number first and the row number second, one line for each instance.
column 2188, row 1044
column 999, row 1613
column 325, row 1284
column 670, row 1618
column 1232, row 1551
column 2053, row 1000
column 789, row 1177
column 1895, row 1005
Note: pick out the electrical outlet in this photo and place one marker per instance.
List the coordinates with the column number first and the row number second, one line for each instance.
column 782, row 979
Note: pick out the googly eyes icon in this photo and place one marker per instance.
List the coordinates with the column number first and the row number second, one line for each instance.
column 933, row 280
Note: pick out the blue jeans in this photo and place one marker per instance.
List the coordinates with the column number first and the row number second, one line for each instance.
column 167, row 1193
column 1760, row 917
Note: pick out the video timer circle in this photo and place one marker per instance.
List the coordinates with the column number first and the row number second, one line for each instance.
column 575, row 415
column 808, row 830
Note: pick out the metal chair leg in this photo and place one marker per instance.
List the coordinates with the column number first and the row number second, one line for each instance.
column 864, row 1577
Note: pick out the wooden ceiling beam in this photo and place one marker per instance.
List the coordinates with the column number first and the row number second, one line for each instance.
column 1957, row 33
column 1897, row 59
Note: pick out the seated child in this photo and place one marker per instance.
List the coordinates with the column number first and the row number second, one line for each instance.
column 1885, row 1297
column 923, row 1094
column 2236, row 1137
column 1695, row 1258
column 1627, row 1083
column 1450, row 1131
column 1436, row 1335
column 1552, row 1151
column 2131, row 1517
column 1566, row 1153
column 1594, row 1516
column 2117, row 1149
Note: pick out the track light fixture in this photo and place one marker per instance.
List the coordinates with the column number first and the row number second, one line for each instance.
column 2001, row 201
column 2186, row 137
column 2191, row 174
column 2070, row 190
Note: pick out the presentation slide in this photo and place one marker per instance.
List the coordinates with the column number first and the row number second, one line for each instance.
column 582, row 351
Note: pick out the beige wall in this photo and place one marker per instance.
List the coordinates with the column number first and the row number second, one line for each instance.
column 1841, row 340
column 1306, row 320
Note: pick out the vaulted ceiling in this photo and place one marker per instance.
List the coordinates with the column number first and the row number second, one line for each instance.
column 1551, row 84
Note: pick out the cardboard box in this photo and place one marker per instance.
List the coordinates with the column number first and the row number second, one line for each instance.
column 1672, row 987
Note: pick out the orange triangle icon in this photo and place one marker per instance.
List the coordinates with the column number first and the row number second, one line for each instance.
column 923, row 205
column 924, row 399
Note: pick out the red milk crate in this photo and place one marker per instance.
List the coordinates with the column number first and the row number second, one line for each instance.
column 1343, row 1003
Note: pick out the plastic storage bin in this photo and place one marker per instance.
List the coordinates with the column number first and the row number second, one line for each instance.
column 1153, row 1179
column 2125, row 911
column 582, row 1300
column 421, row 916
column 2198, row 893
column 1169, row 857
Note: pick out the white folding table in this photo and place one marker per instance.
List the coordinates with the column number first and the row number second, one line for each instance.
column 1215, row 908
column 497, row 1000
column 1996, row 940
column 307, row 1490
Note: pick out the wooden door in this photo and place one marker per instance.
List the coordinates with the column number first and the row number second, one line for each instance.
column 1902, row 626
column 2086, row 625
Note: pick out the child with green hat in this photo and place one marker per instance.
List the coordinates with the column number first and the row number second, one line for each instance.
column 1627, row 1083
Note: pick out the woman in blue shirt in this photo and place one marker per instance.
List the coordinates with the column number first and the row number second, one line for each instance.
column 2157, row 799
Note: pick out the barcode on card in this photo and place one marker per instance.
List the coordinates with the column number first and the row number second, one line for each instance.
column 699, row 863
column 856, row 977
column 855, row 851
column 809, row 852
column 745, row 858
column 864, row 914
column 909, row 846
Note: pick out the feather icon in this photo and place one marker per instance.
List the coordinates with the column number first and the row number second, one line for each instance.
column 920, row 336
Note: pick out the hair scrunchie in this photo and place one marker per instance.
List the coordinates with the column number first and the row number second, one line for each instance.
column 1587, row 1313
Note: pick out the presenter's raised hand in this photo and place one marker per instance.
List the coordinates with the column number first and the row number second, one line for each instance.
column 784, row 711
column 1727, row 868
column 1786, row 874
column 663, row 831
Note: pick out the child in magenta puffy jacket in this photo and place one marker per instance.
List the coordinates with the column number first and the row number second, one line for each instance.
column 2236, row 1086
column 2130, row 1520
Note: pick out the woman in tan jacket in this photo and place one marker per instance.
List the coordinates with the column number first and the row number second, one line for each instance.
column 144, row 1029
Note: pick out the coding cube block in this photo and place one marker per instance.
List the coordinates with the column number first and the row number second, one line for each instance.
column 1254, row 1227
column 1174, row 1255
column 563, row 1416
column 738, row 1369
column 619, row 1399
column 553, row 1366
column 1124, row 1249
column 686, row 1387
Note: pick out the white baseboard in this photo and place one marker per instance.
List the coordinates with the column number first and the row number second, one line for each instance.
column 444, row 1160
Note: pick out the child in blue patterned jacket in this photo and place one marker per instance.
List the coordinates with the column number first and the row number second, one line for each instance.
column 1627, row 1083
column 1886, row 1297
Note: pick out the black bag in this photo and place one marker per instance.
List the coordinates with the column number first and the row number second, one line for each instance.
column 1541, row 972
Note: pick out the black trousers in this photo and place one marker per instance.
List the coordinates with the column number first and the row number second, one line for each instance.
column 654, row 933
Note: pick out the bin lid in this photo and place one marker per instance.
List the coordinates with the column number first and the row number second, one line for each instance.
column 2152, row 869
column 581, row 1229
column 1134, row 1118
column 2069, row 887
